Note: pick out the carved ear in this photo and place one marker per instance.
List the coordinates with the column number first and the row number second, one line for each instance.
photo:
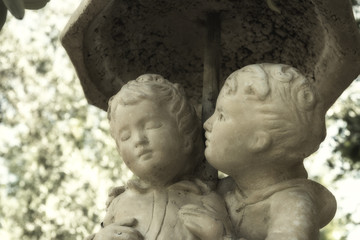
column 259, row 141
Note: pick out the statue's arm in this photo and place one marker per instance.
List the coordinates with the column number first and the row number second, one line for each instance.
column 116, row 230
column 209, row 220
column 108, row 216
column 121, row 230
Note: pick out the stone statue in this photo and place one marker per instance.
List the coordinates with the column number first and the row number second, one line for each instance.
column 158, row 136
column 268, row 118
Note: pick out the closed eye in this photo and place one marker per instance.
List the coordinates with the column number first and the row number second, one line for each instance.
column 152, row 125
column 125, row 135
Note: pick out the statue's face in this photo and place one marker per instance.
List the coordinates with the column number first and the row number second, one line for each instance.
column 149, row 141
column 228, row 132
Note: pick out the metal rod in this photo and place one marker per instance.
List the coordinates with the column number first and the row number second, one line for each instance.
column 212, row 55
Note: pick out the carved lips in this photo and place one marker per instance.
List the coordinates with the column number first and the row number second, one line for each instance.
column 207, row 135
column 144, row 154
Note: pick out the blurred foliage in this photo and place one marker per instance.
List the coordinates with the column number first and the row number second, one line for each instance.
column 55, row 150
column 344, row 163
column 347, row 139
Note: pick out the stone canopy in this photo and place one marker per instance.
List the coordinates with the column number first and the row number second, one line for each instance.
column 112, row 42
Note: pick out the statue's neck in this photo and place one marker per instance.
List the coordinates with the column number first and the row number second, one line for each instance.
column 253, row 179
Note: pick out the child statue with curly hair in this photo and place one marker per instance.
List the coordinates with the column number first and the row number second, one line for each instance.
column 268, row 118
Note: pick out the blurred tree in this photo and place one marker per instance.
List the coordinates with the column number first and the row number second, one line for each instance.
column 343, row 163
column 55, row 150
column 348, row 137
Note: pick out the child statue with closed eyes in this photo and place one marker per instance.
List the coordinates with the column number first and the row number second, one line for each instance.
column 158, row 136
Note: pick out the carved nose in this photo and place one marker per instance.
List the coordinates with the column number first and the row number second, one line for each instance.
column 208, row 124
column 141, row 139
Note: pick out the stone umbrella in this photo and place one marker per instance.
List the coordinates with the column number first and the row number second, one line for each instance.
column 112, row 42
column 198, row 43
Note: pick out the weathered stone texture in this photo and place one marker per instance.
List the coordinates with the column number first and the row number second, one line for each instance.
column 112, row 42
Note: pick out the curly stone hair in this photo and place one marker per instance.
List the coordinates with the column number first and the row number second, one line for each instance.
column 289, row 105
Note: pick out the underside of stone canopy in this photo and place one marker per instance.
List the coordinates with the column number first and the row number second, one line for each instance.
column 112, row 42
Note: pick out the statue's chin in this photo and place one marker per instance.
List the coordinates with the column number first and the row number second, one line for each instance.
column 207, row 154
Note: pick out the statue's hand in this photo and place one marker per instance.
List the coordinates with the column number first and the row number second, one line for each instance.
column 201, row 222
column 119, row 231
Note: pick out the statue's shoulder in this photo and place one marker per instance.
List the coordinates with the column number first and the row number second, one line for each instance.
column 321, row 198
column 133, row 189
column 325, row 201
column 113, row 193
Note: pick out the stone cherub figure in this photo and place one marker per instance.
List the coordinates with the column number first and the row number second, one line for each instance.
column 268, row 118
column 158, row 136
